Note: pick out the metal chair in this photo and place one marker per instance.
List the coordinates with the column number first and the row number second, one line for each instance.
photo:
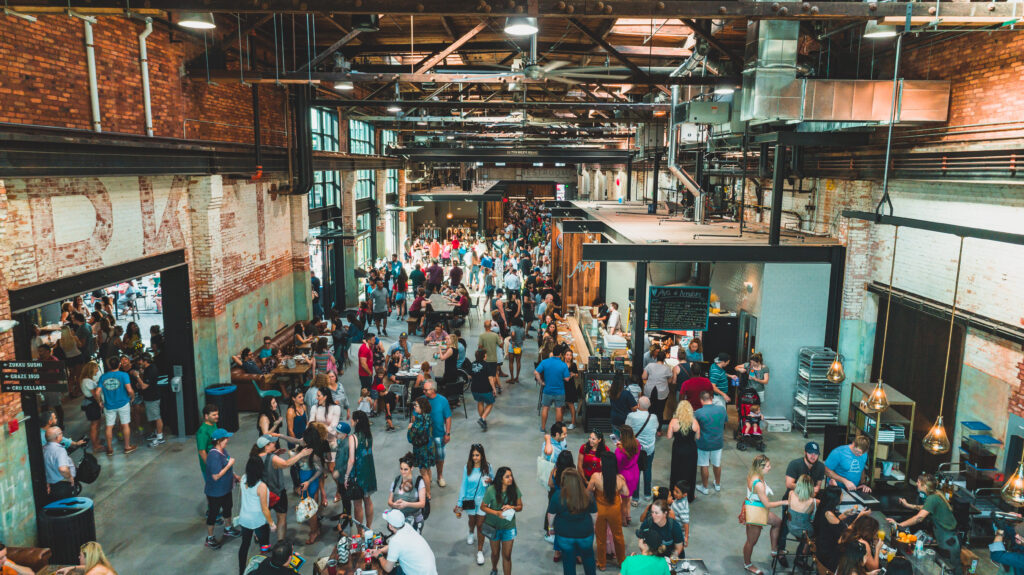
column 265, row 392
column 456, row 391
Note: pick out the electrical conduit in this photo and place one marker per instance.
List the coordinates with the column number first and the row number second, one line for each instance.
column 90, row 59
column 144, row 62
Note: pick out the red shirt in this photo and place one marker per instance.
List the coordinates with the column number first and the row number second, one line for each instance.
column 692, row 389
column 591, row 460
column 365, row 352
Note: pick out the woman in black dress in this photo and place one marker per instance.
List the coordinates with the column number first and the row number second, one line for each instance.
column 572, row 395
column 683, row 428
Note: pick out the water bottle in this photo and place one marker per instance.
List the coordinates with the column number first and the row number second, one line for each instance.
column 919, row 548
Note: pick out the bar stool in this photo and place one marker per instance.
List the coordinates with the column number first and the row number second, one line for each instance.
column 803, row 542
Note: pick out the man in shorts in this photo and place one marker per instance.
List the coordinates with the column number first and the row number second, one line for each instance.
column 712, row 418
column 482, row 388
column 489, row 342
column 381, row 307
column 115, row 394
column 552, row 375
column 145, row 377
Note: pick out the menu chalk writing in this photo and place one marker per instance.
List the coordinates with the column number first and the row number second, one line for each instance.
column 678, row 308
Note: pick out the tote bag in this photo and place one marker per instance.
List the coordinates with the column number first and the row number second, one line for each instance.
column 544, row 469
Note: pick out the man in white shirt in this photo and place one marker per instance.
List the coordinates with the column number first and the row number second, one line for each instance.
column 614, row 319
column 60, row 469
column 512, row 281
column 406, row 548
column 645, row 427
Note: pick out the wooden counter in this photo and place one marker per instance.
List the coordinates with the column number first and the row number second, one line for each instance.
column 579, row 345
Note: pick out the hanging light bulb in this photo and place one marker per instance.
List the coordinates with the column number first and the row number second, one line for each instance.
column 936, row 441
column 449, row 215
column 836, row 373
column 877, row 402
column 1013, row 491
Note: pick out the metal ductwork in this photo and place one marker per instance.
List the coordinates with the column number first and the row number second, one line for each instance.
column 773, row 93
column 302, row 139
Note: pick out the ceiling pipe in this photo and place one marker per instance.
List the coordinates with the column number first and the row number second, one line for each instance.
column 90, row 59
column 700, row 53
column 147, row 103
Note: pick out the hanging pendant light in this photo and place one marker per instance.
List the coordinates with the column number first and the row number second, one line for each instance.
column 877, row 401
column 836, row 373
column 937, row 440
column 197, row 20
column 1013, row 491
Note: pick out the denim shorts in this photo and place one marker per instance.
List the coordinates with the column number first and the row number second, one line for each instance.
column 504, row 535
column 484, row 398
column 439, row 448
column 552, row 400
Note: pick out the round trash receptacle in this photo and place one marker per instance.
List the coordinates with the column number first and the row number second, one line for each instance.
column 223, row 396
column 65, row 525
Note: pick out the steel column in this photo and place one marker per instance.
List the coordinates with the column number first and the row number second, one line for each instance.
column 778, row 179
column 837, row 269
column 639, row 318
column 629, row 178
column 654, row 185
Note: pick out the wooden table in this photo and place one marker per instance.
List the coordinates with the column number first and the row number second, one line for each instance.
column 355, row 563
column 444, row 309
column 293, row 374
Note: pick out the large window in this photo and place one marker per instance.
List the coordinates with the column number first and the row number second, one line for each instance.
column 326, row 190
column 363, row 223
column 366, row 184
column 387, row 138
column 391, row 183
column 325, row 130
column 360, row 138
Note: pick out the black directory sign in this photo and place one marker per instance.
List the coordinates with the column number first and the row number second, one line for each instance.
column 32, row 376
column 678, row 308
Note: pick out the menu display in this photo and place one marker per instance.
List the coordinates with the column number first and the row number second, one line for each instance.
column 678, row 308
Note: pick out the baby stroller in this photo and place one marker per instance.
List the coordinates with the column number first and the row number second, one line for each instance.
column 748, row 431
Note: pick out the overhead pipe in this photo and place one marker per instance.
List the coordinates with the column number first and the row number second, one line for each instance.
column 698, row 55
column 90, row 59
column 302, row 139
column 147, row 103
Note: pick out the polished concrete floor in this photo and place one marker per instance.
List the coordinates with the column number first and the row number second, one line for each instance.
column 148, row 504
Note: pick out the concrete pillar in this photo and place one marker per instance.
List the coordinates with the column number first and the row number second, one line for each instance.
column 380, row 223
column 403, row 218
column 207, row 202
column 302, row 290
column 348, row 242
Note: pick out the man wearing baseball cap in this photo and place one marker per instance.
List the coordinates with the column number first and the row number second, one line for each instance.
column 273, row 476
column 407, row 552
column 809, row 464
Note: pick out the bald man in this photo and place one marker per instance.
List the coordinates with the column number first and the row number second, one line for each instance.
column 645, row 426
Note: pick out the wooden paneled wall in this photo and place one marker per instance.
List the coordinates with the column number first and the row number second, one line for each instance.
column 580, row 280
column 540, row 189
column 495, row 216
column 556, row 250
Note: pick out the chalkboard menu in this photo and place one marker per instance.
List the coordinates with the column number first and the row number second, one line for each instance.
column 678, row 308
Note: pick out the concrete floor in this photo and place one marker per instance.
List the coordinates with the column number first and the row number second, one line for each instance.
column 148, row 505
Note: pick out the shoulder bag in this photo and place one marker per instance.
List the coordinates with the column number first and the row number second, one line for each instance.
column 470, row 504
column 642, row 459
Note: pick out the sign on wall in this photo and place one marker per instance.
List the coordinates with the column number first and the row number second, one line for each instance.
column 32, row 376
column 678, row 308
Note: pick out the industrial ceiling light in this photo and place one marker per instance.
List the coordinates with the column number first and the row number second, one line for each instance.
column 450, row 137
column 1013, row 491
column 937, row 440
column 877, row 402
column 394, row 108
column 197, row 20
column 344, row 85
column 366, row 22
column 874, row 30
column 724, row 89
column 521, row 25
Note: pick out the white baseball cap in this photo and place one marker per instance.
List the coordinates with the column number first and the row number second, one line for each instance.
column 395, row 518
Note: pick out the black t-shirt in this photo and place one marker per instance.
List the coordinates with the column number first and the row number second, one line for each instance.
column 798, row 467
column 671, row 533
column 574, row 525
column 622, row 406
column 268, row 568
column 149, row 377
column 479, row 382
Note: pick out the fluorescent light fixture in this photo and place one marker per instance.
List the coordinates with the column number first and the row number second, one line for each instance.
column 344, row 85
column 521, row 25
column 394, row 108
column 538, row 164
column 724, row 89
column 499, row 164
column 450, row 137
column 421, row 123
column 872, row 29
column 197, row 20
column 559, row 164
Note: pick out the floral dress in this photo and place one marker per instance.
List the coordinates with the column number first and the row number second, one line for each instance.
column 423, row 457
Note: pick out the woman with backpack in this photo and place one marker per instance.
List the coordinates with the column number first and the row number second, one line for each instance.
column 408, row 494
column 419, row 436
column 475, row 480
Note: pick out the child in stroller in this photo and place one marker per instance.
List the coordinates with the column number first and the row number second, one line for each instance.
column 748, row 432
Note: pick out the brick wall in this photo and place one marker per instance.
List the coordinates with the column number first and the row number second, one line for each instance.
column 44, row 81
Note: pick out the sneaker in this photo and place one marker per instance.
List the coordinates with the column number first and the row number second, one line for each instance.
column 718, row 488
column 703, row 490
column 471, row 538
column 150, row 437
column 480, row 560
column 232, row 532
column 485, row 426
column 441, row 482
column 549, row 538
column 212, row 543
column 481, row 423
column 494, row 572
column 157, row 441
column 570, row 426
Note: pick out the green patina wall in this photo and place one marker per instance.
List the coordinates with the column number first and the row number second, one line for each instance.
column 17, row 515
column 244, row 322
column 856, row 343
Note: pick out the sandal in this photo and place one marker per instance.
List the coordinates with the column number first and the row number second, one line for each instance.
column 750, row 568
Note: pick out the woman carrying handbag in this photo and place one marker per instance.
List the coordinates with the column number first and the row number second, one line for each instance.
column 756, row 511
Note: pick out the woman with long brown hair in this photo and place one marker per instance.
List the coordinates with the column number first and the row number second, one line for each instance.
column 937, row 508
column 475, row 480
column 572, row 507
column 609, row 488
column 863, row 535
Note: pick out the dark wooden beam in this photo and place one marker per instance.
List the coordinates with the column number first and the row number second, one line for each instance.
column 433, row 60
column 609, row 48
column 705, row 34
column 330, row 50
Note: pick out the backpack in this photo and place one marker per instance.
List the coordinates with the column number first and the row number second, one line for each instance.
column 419, row 434
column 419, row 481
column 88, row 469
column 67, row 340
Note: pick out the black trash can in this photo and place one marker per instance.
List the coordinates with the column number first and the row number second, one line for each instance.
column 66, row 525
column 223, row 396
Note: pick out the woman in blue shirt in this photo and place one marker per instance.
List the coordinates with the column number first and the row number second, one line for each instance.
column 475, row 479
